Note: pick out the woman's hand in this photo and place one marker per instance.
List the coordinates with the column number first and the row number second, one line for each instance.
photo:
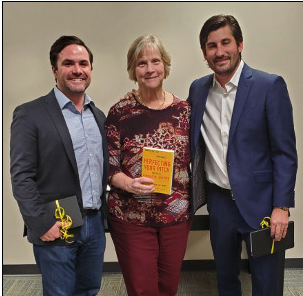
column 138, row 186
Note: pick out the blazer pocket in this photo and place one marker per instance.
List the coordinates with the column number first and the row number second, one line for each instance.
column 263, row 176
column 48, row 197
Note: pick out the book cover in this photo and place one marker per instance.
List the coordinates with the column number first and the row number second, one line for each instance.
column 157, row 164
column 262, row 243
column 71, row 208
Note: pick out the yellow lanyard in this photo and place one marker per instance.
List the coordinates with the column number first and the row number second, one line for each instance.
column 66, row 223
column 266, row 223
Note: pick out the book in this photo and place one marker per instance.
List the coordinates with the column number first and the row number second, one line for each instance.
column 71, row 208
column 262, row 244
column 157, row 164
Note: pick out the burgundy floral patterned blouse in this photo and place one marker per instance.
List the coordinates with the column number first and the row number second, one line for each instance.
column 130, row 127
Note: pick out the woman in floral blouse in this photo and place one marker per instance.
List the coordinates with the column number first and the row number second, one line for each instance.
column 149, row 230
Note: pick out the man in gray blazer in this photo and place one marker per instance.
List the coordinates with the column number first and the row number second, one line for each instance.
column 58, row 150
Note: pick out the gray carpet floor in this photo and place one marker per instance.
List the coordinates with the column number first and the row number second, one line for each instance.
column 191, row 284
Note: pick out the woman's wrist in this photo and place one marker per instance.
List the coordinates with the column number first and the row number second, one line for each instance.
column 120, row 180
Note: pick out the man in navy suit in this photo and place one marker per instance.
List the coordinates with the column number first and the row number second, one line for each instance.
column 243, row 118
column 58, row 150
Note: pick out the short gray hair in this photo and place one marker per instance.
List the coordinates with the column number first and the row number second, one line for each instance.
column 138, row 46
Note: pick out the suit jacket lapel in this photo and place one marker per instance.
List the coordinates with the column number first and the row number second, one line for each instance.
column 241, row 97
column 199, row 107
column 100, row 123
column 55, row 112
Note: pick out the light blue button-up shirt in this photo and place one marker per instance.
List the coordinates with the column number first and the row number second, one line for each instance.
column 87, row 143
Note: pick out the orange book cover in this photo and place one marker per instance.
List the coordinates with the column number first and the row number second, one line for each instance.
column 157, row 164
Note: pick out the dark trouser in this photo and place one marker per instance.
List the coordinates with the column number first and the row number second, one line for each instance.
column 150, row 257
column 74, row 269
column 227, row 231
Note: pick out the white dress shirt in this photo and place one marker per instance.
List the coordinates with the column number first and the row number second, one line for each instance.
column 215, row 128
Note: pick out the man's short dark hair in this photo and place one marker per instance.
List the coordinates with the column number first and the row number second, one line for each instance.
column 219, row 21
column 61, row 43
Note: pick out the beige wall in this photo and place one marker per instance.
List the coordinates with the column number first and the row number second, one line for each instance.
column 272, row 42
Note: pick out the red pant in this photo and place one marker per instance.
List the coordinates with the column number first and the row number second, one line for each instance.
column 150, row 257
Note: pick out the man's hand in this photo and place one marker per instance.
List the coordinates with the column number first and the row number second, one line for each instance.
column 130, row 94
column 278, row 223
column 53, row 233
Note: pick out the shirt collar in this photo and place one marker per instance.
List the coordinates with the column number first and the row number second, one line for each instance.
column 236, row 77
column 63, row 100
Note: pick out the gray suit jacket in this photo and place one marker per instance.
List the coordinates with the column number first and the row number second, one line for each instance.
column 43, row 163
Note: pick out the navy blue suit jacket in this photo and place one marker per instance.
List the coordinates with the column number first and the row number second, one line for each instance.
column 43, row 163
column 261, row 156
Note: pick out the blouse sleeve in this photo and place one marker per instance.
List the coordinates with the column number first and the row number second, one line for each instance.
column 112, row 127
